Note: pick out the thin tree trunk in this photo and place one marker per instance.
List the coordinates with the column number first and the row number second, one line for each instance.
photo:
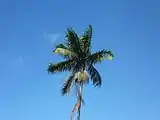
column 79, row 101
column 76, row 108
column 80, row 97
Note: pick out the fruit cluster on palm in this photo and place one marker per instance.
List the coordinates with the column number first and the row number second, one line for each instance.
column 79, row 61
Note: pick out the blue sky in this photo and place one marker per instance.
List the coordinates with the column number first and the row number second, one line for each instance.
column 29, row 29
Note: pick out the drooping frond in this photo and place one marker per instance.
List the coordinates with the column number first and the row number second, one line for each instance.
column 67, row 85
column 100, row 56
column 61, row 66
column 95, row 76
column 86, row 40
column 65, row 52
column 72, row 40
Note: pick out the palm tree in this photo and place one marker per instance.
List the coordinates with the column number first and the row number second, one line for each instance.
column 79, row 61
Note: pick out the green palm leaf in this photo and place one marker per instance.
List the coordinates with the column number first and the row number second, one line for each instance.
column 72, row 40
column 86, row 40
column 95, row 76
column 67, row 85
column 61, row 66
column 100, row 56
column 65, row 52
column 61, row 46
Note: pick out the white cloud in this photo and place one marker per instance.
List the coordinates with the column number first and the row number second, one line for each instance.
column 53, row 37
column 18, row 61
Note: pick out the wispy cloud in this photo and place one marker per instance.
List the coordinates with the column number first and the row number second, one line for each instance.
column 17, row 61
column 12, row 60
column 52, row 37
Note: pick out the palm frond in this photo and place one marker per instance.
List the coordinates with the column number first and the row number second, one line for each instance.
column 61, row 66
column 60, row 46
column 100, row 56
column 86, row 40
column 67, row 85
column 78, row 66
column 65, row 52
column 72, row 40
column 95, row 76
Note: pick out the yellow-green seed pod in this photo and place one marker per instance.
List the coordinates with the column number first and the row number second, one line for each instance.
column 82, row 76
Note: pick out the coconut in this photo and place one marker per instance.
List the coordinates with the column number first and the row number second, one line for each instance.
column 82, row 76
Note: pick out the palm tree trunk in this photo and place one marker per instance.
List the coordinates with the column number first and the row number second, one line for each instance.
column 80, row 97
column 80, row 92
column 77, row 106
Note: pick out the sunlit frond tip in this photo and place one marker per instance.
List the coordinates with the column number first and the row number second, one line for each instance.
column 100, row 56
column 63, row 51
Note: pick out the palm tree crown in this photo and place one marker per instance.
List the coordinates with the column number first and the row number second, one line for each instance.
column 78, row 59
